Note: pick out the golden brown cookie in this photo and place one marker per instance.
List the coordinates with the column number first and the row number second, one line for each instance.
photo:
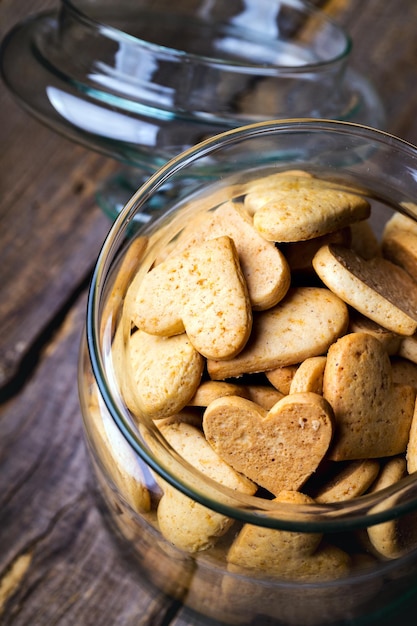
column 277, row 449
column 191, row 444
column 209, row 390
column 259, row 190
column 300, row 254
column 281, row 377
column 411, row 455
column 283, row 335
column 373, row 415
column 187, row 524
column 408, row 348
column 184, row 522
column 309, row 376
column 363, row 240
column 358, row 323
column 264, row 395
column 400, row 247
column 305, row 210
column 394, row 538
column 121, row 463
column 285, row 554
column 163, row 373
column 264, row 267
column 402, row 222
column 404, row 371
column 125, row 272
column 376, row 288
column 351, row 481
column 203, row 292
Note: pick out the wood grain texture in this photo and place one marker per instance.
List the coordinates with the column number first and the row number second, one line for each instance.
column 53, row 539
column 58, row 562
column 385, row 50
column 51, row 229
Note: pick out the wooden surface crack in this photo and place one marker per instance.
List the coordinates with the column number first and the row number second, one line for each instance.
column 13, row 575
column 33, row 354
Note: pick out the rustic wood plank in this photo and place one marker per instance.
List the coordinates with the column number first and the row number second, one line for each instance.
column 51, row 226
column 54, row 544
column 385, row 50
column 51, row 230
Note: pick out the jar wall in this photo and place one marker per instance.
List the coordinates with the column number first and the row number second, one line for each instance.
column 347, row 577
column 201, row 581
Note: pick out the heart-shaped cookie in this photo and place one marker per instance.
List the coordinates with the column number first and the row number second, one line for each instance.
column 277, row 449
column 305, row 210
column 201, row 291
column 373, row 415
column 377, row 288
column 264, row 266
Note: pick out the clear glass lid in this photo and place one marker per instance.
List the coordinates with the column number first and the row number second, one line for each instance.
column 141, row 82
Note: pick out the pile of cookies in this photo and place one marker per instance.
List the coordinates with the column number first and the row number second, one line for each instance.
column 273, row 342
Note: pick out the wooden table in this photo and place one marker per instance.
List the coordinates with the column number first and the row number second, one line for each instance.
column 58, row 562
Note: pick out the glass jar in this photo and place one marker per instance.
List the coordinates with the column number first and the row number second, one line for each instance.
column 137, row 466
column 142, row 82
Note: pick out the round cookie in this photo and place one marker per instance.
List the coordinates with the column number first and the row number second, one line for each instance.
column 164, row 373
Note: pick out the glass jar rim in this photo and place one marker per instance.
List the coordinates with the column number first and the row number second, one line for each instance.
column 77, row 8
column 355, row 513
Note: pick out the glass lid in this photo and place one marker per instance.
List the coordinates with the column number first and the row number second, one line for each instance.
column 142, row 82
